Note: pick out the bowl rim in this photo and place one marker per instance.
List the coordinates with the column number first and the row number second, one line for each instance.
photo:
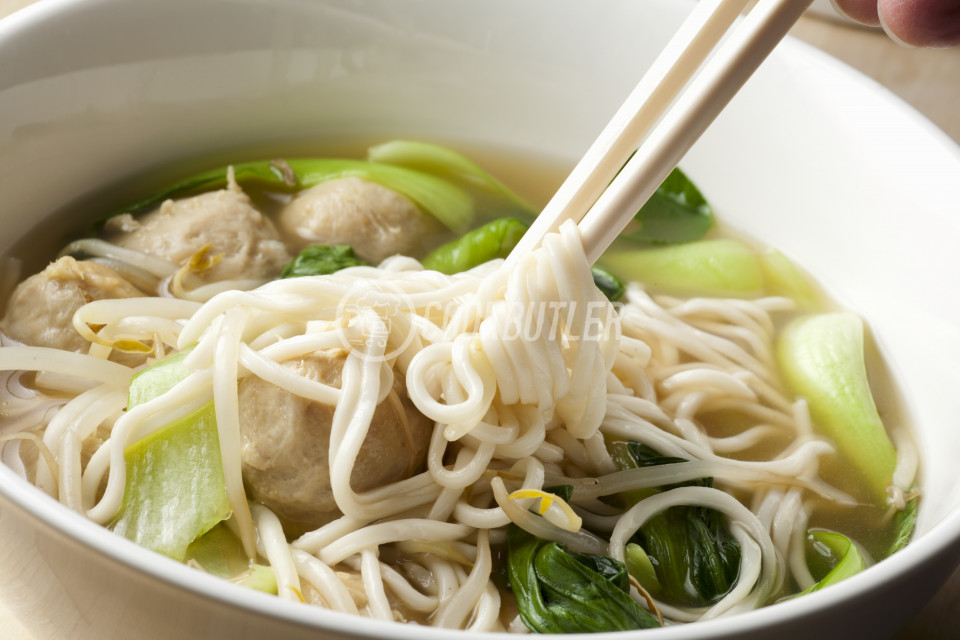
column 931, row 545
column 936, row 543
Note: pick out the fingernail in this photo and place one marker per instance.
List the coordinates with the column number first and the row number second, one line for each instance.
column 890, row 33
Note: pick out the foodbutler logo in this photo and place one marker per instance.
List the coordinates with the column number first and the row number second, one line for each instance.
column 377, row 320
column 375, row 317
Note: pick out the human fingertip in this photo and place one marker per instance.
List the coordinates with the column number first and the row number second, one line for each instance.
column 892, row 33
column 862, row 11
column 921, row 23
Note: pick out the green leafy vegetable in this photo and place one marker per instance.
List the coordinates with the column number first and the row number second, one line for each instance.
column 611, row 286
column 157, row 379
column 448, row 203
column 720, row 267
column 320, row 260
column 562, row 592
column 220, row 553
column 633, row 455
column 495, row 198
column 695, row 557
column 175, row 490
column 783, row 278
column 822, row 359
column 904, row 523
column 676, row 212
column 562, row 491
column 642, row 455
column 611, row 570
column 833, row 556
column 258, row 577
column 491, row 241
column 640, row 567
column 495, row 240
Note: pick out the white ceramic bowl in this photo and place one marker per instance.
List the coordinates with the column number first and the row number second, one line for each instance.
column 809, row 158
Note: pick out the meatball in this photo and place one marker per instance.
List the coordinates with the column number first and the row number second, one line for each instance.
column 40, row 311
column 285, row 441
column 247, row 242
column 376, row 221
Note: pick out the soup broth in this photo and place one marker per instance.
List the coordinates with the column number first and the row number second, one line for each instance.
column 834, row 498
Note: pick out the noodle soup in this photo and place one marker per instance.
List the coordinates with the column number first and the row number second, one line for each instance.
column 403, row 426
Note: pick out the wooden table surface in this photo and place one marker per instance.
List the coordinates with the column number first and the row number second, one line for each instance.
column 927, row 79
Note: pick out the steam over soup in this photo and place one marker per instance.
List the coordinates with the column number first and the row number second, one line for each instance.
column 316, row 377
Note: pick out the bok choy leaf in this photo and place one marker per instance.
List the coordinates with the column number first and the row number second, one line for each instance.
column 491, row 241
column 676, row 212
column 562, row 592
column 220, row 553
column 321, row 260
column 717, row 267
column 495, row 240
column 833, row 556
column 822, row 359
column 608, row 283
column 904, row 523
column 492, row 195
column 694, row 556
column 175, row 491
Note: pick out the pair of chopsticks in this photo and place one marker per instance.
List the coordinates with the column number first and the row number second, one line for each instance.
column 676, row 100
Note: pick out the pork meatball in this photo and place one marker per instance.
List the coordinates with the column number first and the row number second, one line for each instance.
column 285, row 440
column 40, row 311
column 376, row 221
column 247, row 242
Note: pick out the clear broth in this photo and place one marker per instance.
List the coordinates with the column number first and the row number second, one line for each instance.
column 534, row 178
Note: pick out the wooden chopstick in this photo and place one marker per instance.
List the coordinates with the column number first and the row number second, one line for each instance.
column 664, row 115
